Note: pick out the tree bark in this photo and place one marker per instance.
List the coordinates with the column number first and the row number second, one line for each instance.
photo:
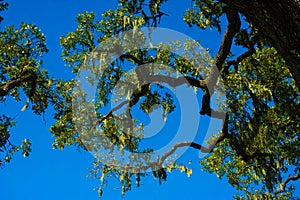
column 278, row 21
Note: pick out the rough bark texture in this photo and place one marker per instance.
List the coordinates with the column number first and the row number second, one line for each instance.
column 278, row 21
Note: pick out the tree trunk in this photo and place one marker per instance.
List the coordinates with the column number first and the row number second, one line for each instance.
column 278, row 21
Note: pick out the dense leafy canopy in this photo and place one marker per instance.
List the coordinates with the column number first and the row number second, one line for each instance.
column 257, row 149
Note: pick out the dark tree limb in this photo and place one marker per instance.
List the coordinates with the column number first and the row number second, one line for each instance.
column 175, row 82
column 131, row 57
column 283, row 186
column 110, row 113
column 234, row 24
column 238, row 60
column 6, row 87
column 233, row 27
column 197, row 146
column 183, row 144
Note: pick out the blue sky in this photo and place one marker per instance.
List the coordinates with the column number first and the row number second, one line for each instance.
column 52, row 174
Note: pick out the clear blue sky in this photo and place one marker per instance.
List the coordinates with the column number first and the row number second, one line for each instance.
column 52, row 174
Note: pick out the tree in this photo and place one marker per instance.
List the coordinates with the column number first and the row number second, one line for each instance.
column 257, row 147
column 22, row 76
column 21, row 70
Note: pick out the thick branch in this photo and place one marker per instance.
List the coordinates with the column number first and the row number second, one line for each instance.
column 131, row 57
column 174, row 82
column 5, row 88
column 8, row 86
column 233, row 27
column 206, row 109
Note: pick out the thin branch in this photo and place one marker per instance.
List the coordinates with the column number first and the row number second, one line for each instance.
column 239, row 59
column 283, row 186
column 175, row 82
column 183, row 144
column 195, row 145
column 156, row 165
column 111, row 111
column 131, row 102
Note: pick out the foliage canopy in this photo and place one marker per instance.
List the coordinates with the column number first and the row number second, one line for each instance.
column 257, row 149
